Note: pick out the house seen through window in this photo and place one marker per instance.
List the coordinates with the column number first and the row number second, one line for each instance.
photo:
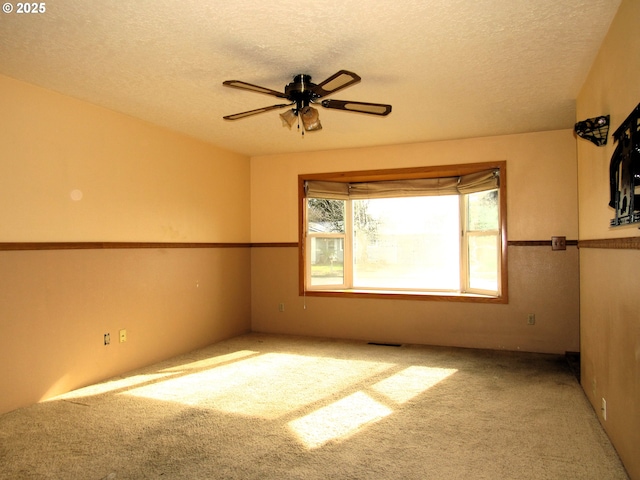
column 420, row 233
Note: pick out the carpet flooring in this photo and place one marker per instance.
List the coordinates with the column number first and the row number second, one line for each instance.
column 277, row 407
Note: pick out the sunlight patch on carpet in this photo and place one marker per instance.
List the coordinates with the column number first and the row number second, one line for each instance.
column 410, row 382
column 339, row 420
column 265, row 386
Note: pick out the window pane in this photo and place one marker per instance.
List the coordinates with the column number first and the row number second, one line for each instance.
column 325, row 215
column 483, row 262
column 483, row 211
column 411, row 243
column 327, row 261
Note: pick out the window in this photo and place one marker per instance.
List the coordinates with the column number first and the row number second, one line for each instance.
column 436, row 233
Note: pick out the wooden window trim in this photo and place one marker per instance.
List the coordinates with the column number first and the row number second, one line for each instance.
column 400, row 174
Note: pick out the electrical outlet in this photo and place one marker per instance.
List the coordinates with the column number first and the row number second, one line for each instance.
column 531, row 319
column 123, row 336
column 281, row 307
column 107, row 339
column 604, row 409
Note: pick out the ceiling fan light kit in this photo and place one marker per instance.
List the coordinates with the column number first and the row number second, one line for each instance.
column 289, row 118
column 310, row 119
column 302, row 93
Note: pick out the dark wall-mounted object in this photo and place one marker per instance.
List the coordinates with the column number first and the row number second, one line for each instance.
column 594, row 129
column 624, row 172
column 558, row 243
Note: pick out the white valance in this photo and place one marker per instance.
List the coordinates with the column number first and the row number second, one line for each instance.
column 413, row 187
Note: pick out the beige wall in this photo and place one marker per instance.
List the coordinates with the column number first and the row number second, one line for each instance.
column 541, row 178
column 139, row 183
column 542, row 202
column 610, row 278
column 55, row 307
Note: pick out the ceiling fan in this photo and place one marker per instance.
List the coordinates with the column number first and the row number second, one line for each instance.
column 302, row 93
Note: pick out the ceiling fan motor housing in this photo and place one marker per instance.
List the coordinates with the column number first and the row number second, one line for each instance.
column 301, row 91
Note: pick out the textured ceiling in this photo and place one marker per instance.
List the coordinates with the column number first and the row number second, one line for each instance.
column 450, row 68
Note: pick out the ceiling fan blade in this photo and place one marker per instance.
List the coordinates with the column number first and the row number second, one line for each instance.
column 238, row 116
column 361, row 107
column 253, row 88
column 335, row 82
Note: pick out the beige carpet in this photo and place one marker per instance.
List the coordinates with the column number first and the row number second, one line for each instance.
column 275, row 407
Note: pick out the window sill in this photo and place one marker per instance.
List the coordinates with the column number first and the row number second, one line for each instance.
column 420, row 296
